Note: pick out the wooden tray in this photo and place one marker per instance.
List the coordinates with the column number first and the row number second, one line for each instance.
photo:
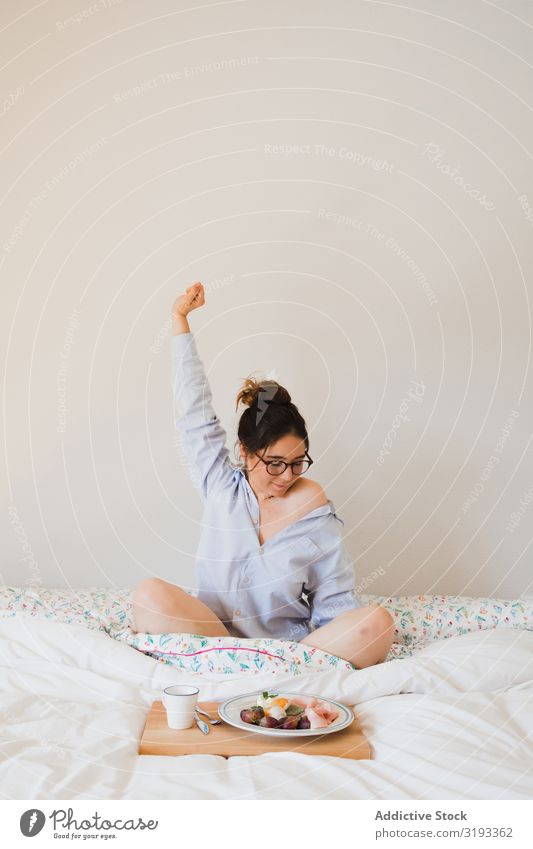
column 158, row 739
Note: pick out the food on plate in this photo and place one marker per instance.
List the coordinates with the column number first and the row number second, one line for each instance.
column 252, row 715
column 290, row 713
column 268, row 722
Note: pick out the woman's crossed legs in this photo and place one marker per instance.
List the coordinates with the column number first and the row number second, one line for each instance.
column 363, row 635
column 163, row 608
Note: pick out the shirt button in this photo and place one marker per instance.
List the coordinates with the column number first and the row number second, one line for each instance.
column 236, row 612
column 246, row 580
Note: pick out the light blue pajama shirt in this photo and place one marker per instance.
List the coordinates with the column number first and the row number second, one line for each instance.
column 255, row 590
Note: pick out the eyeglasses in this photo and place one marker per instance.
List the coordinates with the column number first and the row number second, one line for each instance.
column 277, row 467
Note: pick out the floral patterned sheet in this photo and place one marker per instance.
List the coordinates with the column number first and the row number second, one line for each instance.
column 419, row 620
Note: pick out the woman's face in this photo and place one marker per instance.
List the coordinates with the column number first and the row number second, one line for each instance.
column 289, row 448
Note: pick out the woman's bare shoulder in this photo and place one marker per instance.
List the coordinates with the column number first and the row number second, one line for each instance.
column 308, row 494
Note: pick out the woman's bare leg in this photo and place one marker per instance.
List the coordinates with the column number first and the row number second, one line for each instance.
column 363, row 635
column 163, row 608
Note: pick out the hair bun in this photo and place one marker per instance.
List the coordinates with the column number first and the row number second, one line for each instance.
column 262, row 392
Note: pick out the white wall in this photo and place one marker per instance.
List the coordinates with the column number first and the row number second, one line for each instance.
column 391, row 249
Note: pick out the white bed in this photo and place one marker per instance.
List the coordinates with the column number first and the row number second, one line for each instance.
column 452, row 720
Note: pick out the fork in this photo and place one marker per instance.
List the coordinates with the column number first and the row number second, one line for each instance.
column 203, row 726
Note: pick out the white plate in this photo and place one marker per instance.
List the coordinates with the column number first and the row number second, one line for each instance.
column 230, row 712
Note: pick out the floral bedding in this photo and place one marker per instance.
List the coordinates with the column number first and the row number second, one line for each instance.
column 419, row 620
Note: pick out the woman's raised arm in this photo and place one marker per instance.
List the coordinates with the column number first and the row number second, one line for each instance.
column 203, row 439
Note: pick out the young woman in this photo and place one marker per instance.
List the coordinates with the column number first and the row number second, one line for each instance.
column 271, row 560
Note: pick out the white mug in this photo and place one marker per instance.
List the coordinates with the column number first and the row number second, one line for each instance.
column 180, row 702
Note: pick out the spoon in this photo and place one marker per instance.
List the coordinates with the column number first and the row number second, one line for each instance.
column 210, row 718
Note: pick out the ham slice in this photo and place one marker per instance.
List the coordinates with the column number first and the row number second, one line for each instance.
column 327, row 710
column 321, row 714
column 316, row 720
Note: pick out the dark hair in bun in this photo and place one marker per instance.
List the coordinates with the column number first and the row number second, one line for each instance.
column 270, row 415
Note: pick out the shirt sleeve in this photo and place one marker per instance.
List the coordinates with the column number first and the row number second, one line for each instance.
column 330, row 586
column 203, row 439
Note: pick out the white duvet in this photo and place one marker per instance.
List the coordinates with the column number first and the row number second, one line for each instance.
column 454, row 721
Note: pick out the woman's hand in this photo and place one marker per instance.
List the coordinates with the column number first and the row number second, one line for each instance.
column 192, row 298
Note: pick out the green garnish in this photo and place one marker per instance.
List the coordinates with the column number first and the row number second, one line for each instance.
column 267, row 696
